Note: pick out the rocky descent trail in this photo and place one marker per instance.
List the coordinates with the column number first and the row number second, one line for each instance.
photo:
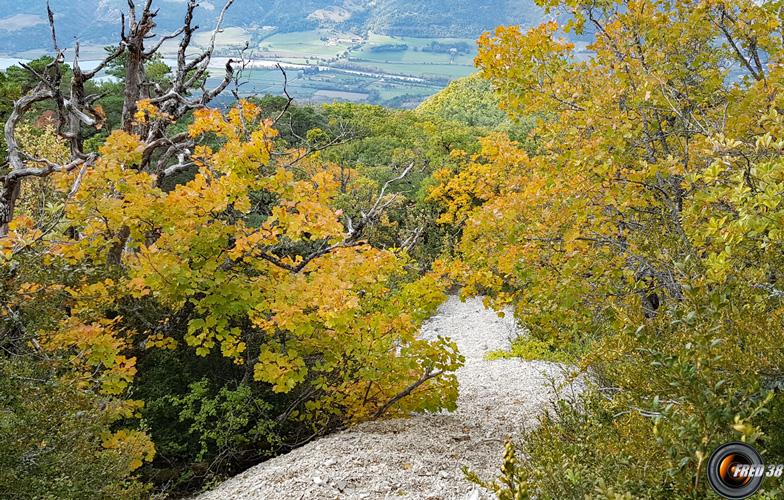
column 422, row 456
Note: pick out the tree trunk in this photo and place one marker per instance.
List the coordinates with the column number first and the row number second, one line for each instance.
column 134, row 74
column 10, row 192
column 114, row 257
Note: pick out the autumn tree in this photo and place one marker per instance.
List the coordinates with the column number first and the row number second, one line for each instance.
column 645, row 233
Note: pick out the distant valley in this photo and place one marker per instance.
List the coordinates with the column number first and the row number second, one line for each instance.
column 391, row 52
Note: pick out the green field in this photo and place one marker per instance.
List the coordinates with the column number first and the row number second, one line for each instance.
column 303, row 45
column 337, row 54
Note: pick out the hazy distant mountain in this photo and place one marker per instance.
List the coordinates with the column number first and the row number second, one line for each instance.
column 23, row 24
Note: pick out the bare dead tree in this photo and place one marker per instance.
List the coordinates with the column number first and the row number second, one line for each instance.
column 75, row 109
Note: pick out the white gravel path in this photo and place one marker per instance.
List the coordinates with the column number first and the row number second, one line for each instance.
column 420, row 457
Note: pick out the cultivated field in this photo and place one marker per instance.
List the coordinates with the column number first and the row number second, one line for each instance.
column 327, row 65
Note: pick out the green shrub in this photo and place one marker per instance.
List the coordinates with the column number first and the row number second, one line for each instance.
column 51, row 439
column 661, row 398
column 531, row 349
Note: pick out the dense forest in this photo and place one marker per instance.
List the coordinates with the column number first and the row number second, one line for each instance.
column 188, row 290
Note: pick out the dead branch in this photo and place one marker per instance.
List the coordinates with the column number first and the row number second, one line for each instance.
column 411, row 240
column 289, row 99
column 50, row 16
column 75, row 110
column 378, row 207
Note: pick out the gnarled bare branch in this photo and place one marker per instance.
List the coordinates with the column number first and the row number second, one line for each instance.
column 75, row 110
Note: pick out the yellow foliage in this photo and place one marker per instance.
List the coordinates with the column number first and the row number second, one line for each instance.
column 135, row 444
column 284, row 288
